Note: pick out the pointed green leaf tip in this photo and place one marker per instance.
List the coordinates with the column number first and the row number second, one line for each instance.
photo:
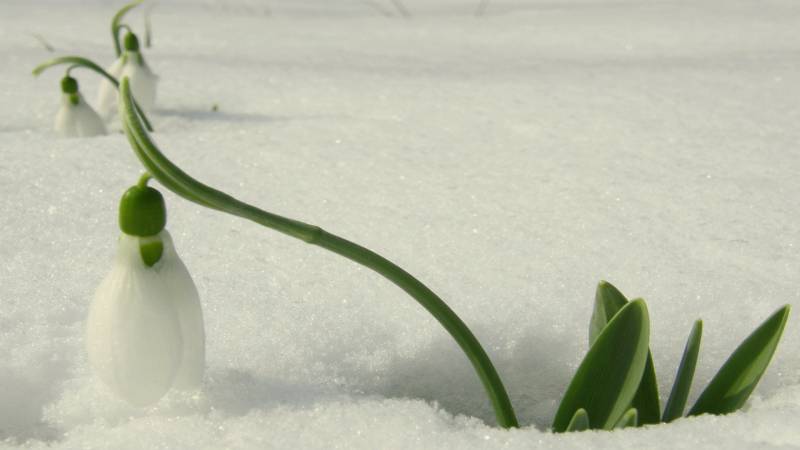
column 608, row 301
column 607, row 379
column 579, row 422
column 683, row 380
column 629, row 419
column 738, row 377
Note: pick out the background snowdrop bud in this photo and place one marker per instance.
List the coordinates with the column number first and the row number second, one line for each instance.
column 145, row 330
column 75, row 118
column 69, row 85
column 131, row 42
column 143, row 81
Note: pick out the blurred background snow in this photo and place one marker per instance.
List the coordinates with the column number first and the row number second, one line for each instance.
column 509, row 161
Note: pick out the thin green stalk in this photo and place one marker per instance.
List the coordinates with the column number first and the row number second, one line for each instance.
column 115, row 23
column 439, row 309
column 75, row 61
column 148, row 27
column 43, row 41
column 143, row 179
column 162, row 177
column 79, row 61
column 175, row 179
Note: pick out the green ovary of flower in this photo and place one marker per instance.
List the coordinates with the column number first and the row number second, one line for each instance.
column 142, row 213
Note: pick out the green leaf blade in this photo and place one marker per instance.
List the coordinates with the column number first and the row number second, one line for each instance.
column 646, row 401
column 608, row 301
column 737, row 378
column 683, row 380
column 579, row 422
column 609, row 376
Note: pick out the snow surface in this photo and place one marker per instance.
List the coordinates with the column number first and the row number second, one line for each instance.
column 509, row 161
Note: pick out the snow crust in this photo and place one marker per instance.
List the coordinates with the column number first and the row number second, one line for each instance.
column 510, row 162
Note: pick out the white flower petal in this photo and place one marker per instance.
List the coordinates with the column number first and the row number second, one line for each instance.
column 107, row 93
column 133, row 332
column 66, row 121
column 78, row 120
column 89, row 122
column 186, row 301
column 143, row 84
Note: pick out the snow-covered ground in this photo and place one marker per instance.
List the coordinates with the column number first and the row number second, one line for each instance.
column 509, row 161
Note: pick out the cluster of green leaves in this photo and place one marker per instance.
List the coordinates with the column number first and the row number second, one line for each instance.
column 615, row 386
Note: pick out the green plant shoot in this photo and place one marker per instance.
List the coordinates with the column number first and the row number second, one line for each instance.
column 683, row 380
column 608, row 301
column 629, row 419
column 609, row 376
column 579, row 422
column 736, row 379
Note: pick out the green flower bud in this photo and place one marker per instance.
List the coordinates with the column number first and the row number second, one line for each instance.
column 131, row 42
column 142, row 211
column 69, row 85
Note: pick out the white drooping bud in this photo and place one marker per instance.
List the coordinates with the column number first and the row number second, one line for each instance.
column 145, row 330
column 143, row 81
column 75, row 118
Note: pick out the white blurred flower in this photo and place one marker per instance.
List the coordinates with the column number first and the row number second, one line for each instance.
column 75, row 118
column 145, row 328
column 143, row 81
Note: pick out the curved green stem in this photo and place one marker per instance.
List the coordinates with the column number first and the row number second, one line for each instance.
column 143, row 179
column 79, row 61
column 124, row 27
column 172, row 177
column 163, row 178
column 75, row 61
column 69, row 69
column 115, row 23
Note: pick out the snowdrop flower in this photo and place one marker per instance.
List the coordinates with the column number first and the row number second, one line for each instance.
column 75, row 118
column 145, row 329
column 143, row 81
